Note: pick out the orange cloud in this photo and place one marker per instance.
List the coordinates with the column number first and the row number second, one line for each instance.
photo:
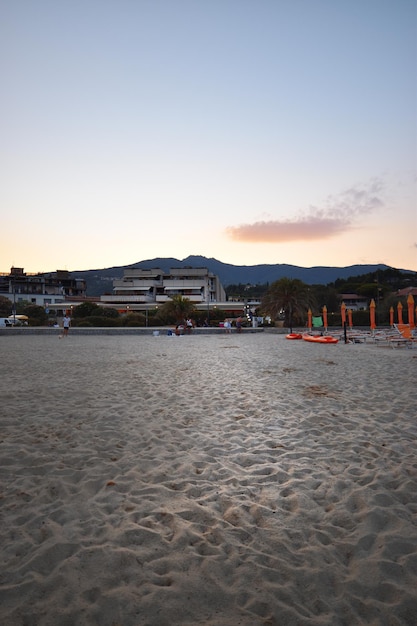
column 336, row 216
column 274, row 231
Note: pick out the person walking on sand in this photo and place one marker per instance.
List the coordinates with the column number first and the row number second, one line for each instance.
column 239, row 324
column 66, row 323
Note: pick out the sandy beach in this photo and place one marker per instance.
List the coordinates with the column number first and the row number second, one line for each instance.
column 221, row 480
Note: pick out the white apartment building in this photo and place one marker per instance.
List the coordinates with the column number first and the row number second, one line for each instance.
column 141, row 289
column 354, row 302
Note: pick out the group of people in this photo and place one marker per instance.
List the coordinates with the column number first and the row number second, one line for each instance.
column 227, row 325
column 186, row 325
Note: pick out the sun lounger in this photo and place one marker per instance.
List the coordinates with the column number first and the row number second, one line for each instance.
column 358, row 337
column 390, row 338
column 404, row 336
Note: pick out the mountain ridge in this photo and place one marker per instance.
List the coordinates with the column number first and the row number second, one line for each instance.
column 100, row 281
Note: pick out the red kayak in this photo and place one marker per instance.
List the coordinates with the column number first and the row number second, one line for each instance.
column 294, row 336
column 319, row 338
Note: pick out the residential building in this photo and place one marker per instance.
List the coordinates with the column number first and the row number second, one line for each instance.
column 141, row 289
column 42, row 289
column 404, row 293
column 354, row 302
column 138, row 290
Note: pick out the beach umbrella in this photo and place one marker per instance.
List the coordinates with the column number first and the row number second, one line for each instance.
column 325, row 317
column 391, row 316
column 400, row 313
column 410, row 304
column 309, row 318
column 350, row 317
column 372, row 314
column 343, row 313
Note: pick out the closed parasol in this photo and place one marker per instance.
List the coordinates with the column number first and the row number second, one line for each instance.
column 372, row 314
column 400, row 313
column 350, row 322
column 391, row 316
column 410, row 305
column 325, row 317
column 343, row 313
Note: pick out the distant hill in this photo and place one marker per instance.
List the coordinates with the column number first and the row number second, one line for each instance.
column 101, row 281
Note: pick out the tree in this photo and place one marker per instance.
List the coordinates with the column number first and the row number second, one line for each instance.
column 325, row 295
column 5, row 306
column 86, row 309
column 177, row 309
column 36, row 315
column 288, row 296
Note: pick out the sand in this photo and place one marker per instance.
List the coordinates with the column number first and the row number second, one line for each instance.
column 219, row 480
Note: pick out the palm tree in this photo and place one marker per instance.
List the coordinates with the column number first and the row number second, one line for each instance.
column 288, row 296
column 177, row 308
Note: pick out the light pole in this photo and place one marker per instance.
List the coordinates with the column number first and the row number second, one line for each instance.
column 14, row 304
column 208, row 300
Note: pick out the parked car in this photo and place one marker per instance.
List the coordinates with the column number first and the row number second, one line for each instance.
column 14, row 320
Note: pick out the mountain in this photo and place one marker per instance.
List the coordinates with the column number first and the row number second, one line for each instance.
column 101, row 281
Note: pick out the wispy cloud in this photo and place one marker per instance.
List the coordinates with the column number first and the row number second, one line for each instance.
column 338, row 214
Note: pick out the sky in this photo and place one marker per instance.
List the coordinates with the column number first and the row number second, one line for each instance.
column 251, row 131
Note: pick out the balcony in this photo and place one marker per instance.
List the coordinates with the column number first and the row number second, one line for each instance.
column 136, row 284
column 183, row 284
column 121, row 299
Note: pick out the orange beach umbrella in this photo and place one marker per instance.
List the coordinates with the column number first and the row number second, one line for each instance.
column 325, row 317
column 410, row 305
column 309, row 318
column 350, row 322
column 343, row 313
column 400, row 313
column 391, row 316
column 372, row 314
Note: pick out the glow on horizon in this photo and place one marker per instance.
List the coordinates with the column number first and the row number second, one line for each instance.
column 282, row 132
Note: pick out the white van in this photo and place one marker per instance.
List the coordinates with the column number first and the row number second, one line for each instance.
column 4, row 321
column 14, row 320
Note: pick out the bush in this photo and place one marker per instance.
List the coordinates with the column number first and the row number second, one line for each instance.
column 359, row 318
column 36, row 315
column 90, row 309
column 86, row 309
column 134, row 319
column 6, row 306
column 156, row 320
column 113, row 313
column 96, row 321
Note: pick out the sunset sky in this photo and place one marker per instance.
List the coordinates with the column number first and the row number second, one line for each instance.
column 251, row 131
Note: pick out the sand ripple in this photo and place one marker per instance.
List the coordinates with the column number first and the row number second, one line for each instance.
column 217, row 480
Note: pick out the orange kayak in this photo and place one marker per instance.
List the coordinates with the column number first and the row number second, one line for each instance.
column 319, row 338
